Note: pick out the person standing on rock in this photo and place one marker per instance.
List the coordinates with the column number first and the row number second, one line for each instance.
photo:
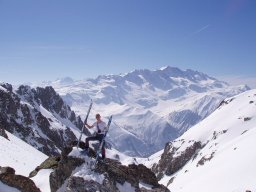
column 101, row 130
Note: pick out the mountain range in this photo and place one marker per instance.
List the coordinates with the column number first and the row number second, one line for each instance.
column 217, row 154
column 202, row 130
column 150, row 107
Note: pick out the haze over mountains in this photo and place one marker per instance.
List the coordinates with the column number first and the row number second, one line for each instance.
column 150, row 108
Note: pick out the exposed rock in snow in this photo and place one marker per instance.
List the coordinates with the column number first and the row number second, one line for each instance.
column 73, row 172
column 172, row 161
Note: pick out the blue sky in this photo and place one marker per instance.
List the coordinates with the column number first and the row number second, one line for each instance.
column 45, row 39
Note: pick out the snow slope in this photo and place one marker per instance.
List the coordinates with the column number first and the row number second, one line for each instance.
column 227, row 160
column 149, row 108
column 19, row 155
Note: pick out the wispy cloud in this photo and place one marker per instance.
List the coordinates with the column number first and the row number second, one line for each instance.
column 239, row 80
column 200, row 30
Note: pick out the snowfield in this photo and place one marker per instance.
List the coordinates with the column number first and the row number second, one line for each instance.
column 19, row 155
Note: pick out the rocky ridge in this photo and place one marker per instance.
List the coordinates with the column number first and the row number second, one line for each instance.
column 38, row 116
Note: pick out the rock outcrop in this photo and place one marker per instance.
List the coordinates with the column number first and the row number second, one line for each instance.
column 112, row 172
column 64, row 170
column 50, row 163
column 171, row 162
column 24, row 184
column 133, row 174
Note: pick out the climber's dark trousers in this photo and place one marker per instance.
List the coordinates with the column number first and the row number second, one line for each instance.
column 99, row 138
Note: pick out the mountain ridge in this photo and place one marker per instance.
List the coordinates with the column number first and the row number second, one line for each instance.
column 39, row 117
column 214, row 155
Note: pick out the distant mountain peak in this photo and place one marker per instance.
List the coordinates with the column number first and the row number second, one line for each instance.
column 168, row 68
column 65, row 81
column 138, row 76
column 171, row 72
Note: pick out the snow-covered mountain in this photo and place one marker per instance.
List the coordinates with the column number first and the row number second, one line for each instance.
column 150, row 108
column 39, row 117
column 217, row 154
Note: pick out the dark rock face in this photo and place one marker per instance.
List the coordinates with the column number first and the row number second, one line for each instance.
column 9, row 102
column 78, row 184
column 132, row 174
column 46, row 96
column 20, row 113
column 7, row 86
column 24, row 184
column 169, row 164
column 28, row 120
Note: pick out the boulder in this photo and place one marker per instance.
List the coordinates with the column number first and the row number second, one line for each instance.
column 63, row 171
column 50, row 163
column 24, row 184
